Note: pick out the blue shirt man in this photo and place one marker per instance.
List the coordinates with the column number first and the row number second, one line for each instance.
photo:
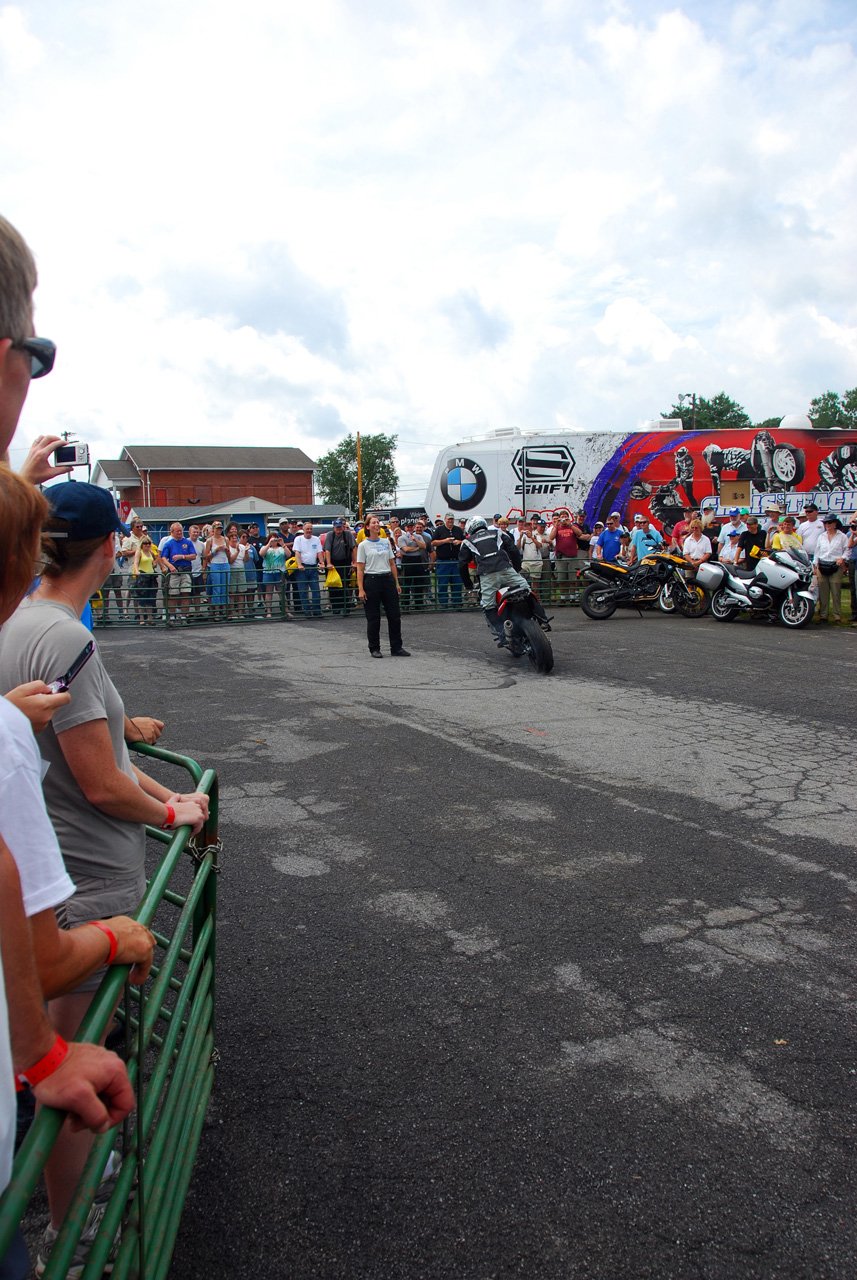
column 610, row 541
column 645, row 539
column 178, row 550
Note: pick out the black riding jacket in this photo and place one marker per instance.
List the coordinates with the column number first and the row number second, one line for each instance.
column 492, row 550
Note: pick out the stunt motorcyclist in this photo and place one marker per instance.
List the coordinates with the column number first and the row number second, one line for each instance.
column 497, row 562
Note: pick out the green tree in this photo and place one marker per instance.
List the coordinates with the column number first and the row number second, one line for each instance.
column 770, row 424
column 831, row 410
column 336, row 474
column 718, row 414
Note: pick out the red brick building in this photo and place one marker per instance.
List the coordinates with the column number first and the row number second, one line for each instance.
column 177, row 475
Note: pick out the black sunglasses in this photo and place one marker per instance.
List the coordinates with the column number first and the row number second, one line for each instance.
column 42, row 353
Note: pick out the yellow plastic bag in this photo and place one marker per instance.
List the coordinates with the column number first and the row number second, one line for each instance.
column 333, row 579
column 291, row 564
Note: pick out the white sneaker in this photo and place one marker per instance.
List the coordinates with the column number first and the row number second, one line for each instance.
column 84, row 1245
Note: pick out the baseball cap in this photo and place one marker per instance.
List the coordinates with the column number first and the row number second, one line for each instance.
column 734, row 533
column 615, row 515
column 498, row 515
column 89, row 511
column 337, row 524
column 830, row 518
column 810, row 506
column 734, row 511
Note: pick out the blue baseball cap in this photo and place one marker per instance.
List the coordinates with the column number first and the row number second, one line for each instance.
column 337, row 524
column 734, row 511
column 89, row 511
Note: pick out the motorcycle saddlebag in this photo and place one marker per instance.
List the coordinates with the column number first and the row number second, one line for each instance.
column 775, row 575
column 710, row 576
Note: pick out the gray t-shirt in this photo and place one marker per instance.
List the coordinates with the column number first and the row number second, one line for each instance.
column 39, row 642
column 376, row 556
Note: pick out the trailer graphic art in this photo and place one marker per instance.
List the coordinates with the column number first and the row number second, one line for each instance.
column 661, row 474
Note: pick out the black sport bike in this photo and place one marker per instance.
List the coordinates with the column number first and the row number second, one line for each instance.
column 657, row 580
column 524, row 629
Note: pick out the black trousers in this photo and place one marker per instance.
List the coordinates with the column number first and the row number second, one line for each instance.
column 381, row 593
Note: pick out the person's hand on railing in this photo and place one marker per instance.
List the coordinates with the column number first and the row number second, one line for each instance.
column 193, row 797
column 189, row 813
column 135, row 945
column 92, row 1085
column 37, row 702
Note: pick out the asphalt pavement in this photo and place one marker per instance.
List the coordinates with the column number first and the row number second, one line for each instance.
column 524, row 976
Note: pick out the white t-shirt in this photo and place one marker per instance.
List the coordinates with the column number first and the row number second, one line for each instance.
column 24, row 822
column 7, row 1093
column 308, row 550
column 810, row 532
column 376, row 556
column 199, row 547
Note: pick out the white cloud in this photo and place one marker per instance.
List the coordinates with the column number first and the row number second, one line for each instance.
column 429, row 219
column 19, row 48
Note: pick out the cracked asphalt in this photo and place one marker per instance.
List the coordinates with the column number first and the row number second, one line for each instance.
column 523, row 976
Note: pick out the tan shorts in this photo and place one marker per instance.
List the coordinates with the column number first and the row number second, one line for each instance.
column 96, row 898
column 179, row 584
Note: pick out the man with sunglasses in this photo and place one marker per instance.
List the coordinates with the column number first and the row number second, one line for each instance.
column 73, row 1080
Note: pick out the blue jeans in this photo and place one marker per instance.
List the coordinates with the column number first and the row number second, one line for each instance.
column 449, row 584
column 308, row 585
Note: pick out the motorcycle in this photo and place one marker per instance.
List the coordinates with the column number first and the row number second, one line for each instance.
column 778, row 586
column 523, row 629
column 657, row 579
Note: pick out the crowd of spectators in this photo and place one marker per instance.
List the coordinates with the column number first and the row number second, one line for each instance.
column 212, row 572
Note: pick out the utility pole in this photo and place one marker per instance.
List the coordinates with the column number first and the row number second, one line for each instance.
column 359, row 480
column 687, row 395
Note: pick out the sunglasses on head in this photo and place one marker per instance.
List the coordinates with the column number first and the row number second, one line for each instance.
column 42, row 353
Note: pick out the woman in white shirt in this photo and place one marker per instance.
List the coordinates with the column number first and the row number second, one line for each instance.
column 697, row 548
column 378, row 587
column 831, row 554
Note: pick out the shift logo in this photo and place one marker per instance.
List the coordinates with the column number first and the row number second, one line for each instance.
column 463, row 484
column 544, row 469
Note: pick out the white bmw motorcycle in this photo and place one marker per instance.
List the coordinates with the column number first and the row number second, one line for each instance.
column 779, row 585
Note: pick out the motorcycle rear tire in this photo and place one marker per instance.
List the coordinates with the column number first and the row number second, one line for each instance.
column 598, row 602
column 536, row 644
column 698, row 606
column 723, row 612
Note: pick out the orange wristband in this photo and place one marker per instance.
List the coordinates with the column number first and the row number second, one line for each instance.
column 47, row 1065
column 171, row 817
column 114, row 945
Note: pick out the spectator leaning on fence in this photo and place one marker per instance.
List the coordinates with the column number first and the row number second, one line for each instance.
column 178, row 554
column 97, row 801
column 310, row 555
column 445, row 543
column 340, row 553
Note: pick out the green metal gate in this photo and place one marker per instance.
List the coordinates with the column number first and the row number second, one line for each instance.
column 170, row 1054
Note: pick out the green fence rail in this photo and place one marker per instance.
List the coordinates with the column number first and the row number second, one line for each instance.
column 170, row 1054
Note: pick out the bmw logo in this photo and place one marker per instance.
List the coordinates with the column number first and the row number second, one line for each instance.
column 463, row 484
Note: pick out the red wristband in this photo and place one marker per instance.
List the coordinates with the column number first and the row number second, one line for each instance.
column 114, row 945
column 171, row 817
column 47, row 1065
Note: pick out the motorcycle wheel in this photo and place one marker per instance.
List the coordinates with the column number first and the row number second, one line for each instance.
column 796, row 612
column 722, row 611
column 666, row 600
column 536, row 644
column 696, row 604
column 788, row 465
column 598, row 602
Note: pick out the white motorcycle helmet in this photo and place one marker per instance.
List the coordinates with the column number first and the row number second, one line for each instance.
column 475, row 525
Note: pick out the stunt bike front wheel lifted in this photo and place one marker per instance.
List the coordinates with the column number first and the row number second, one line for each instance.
column 598, row 602
column 535, row 644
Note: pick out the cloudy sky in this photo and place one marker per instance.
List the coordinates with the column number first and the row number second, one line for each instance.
column 278, row 222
